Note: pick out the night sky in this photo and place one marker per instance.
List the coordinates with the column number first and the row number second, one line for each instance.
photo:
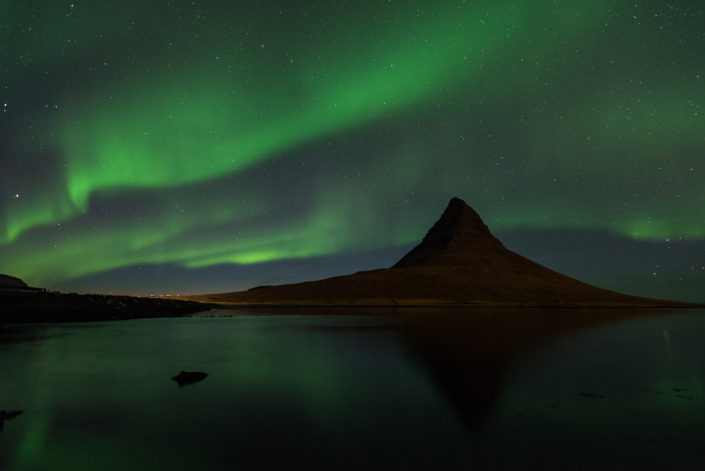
column 200, row 147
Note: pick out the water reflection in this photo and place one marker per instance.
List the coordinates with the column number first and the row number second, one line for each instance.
column 430, row 389
column 468, row 353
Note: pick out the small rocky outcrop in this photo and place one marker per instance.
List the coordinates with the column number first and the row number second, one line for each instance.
column 8, row 280
column 259, row 287
column 189, row 377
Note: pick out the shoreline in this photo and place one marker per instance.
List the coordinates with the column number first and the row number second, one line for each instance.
column 71, row 307
column 178, row 309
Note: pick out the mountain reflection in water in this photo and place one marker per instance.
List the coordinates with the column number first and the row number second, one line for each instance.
column 468, row 353
column 406, row 389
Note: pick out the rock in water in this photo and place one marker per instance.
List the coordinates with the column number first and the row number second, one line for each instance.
column 7, row 415
column 189, row 377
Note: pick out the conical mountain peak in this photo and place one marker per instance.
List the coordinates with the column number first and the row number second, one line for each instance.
column 459, row 230
column 459, row 219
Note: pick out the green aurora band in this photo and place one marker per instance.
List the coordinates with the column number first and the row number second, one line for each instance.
column 542, row 114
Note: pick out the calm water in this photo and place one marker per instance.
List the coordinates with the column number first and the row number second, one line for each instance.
column 485, row 389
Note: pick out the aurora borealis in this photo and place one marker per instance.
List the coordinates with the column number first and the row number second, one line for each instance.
column 214, row 146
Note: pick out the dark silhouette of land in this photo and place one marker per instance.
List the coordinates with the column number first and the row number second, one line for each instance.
column 37, row 305
column 458, row 263
column 7, row 281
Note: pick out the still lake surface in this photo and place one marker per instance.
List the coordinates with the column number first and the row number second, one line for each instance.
column 433, row 389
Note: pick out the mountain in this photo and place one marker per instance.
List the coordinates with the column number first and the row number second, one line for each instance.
column 459, row 262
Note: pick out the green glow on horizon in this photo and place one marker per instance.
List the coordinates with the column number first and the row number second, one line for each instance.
column 520, row 100
column 116, row 246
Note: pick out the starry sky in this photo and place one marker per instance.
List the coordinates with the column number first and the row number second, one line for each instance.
column 201, row 146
